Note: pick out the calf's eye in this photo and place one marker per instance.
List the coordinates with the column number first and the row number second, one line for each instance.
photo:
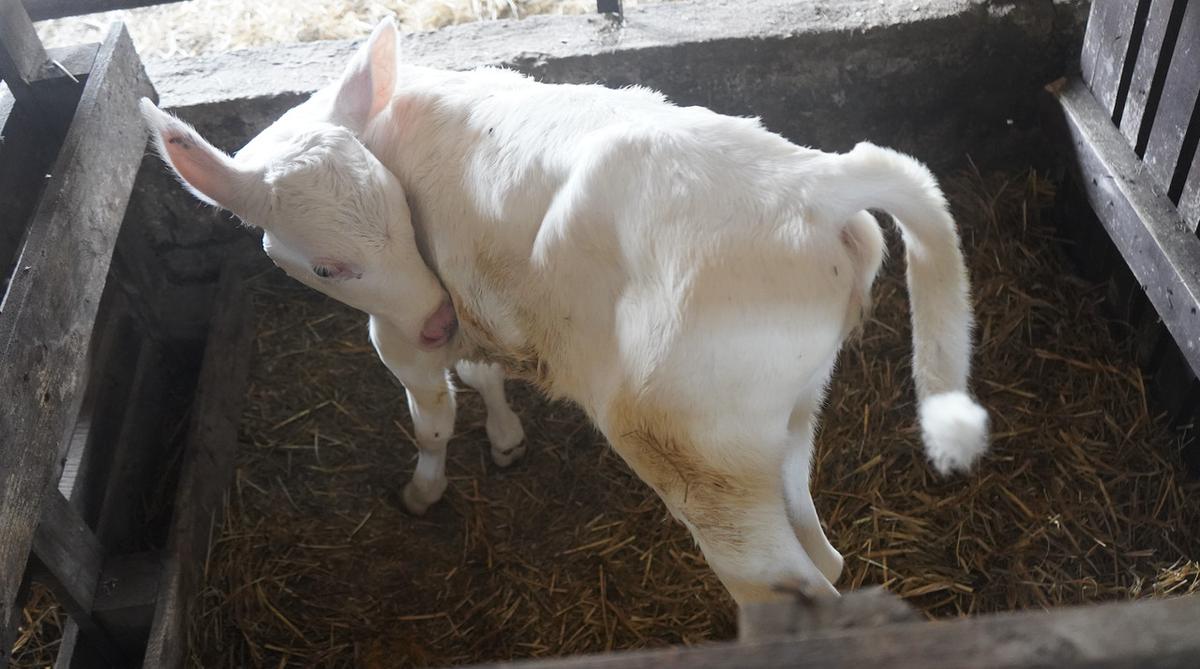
column 322, row 271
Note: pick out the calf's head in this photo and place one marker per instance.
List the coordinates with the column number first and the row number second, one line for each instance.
column 332, row 216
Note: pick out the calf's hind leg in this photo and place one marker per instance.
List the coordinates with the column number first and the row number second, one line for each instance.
column 802, row 512
column 734, row 507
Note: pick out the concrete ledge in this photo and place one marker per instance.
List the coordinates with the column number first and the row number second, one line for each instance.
column 940, row 79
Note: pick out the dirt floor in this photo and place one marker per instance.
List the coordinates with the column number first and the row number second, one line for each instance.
column 1081, row 499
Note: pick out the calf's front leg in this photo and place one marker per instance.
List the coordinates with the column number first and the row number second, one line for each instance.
column 431, row 404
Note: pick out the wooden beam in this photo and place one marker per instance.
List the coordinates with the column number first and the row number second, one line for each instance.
column 51, row 303
column 1150, row 70
column 798, row 618
column 207, row 466
column 1165, row 147
column 1105, row 50
column 1145, row 226
column 67, row 550
column 22, row 56
column 41, row 10
column 1128, row 635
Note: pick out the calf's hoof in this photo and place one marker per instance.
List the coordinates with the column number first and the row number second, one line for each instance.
column 416, row 501
column 507, row 438
column 504, row 458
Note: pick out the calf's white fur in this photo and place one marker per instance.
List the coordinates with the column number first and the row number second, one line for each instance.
column 688, row 278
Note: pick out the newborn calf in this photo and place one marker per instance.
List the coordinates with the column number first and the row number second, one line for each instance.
column 687, row 278
column 335, row 219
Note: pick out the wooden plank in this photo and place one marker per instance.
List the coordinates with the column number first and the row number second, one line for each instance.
column 8, row 637
column 1105, row 48
column 107, row 351
column 124, row 604
column 126, row 598
column 1189, row 199
column 1128, row 635
column 41, row 10
column 47, row 314
column 798, row 619
column 137, row 451
column 1150, row 70
column 22, row 57
column 207, row 466
column 29, row 147
column 1164, row 154
column 67, row 550
column 1144, row 225
column 110, row 384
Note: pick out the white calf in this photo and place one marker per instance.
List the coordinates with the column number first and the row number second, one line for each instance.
column 688, row 278
column 336, row 220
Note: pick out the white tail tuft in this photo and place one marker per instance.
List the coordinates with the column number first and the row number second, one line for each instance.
column 954, row 429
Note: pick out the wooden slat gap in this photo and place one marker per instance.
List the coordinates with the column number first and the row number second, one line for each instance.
column 1174, row 24
column 1131, row 57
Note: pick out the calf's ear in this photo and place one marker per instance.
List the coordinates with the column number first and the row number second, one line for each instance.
column 369, row 80
column 205, row 170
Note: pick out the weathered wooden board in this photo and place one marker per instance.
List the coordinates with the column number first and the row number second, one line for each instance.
column 1189, row 199
column 1105, row 49
column 207, row 466
column 41, row 10
column 1150, row 70
column 800, row 619
column 71, row 557
column 136, row 451
column 22, row 57
column 1165, row 148
column 25, row 156
column 51, row 302
column 1145, row 226
column 1130, row 635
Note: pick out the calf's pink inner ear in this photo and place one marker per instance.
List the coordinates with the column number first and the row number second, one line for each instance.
column 206, row 171
column 369, row 79
column 203, row 167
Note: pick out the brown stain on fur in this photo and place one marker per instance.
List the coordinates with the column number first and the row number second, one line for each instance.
column 525, row 362
column 661, row 451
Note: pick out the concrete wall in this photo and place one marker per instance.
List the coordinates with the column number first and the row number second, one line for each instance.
column 941, row 79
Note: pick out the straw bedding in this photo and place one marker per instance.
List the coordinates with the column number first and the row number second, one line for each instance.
column 1081, row 499
column 214, row 26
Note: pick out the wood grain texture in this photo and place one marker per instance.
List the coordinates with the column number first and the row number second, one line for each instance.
column 1145, row 226
column 207, row 466
column 1149, row 71
column 22, row 56
column 51, row 303
column 69, row 554
column 1105, row 44
column 1173, row 116
column 798, row 619
column 1132, row 635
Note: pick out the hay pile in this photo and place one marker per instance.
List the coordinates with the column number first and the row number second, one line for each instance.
column 1082, row 498
column 213, row 26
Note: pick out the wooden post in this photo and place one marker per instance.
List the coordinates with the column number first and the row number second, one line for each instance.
column 52, row 300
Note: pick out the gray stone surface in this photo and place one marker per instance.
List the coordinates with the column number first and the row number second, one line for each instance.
column 941, row 79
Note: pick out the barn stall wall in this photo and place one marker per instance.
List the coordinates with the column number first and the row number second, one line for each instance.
column 942, row 79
